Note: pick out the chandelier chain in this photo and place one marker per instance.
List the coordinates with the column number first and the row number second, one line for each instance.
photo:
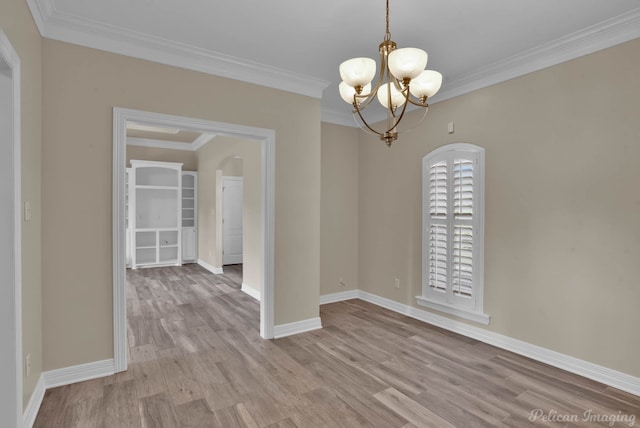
column 387, row 34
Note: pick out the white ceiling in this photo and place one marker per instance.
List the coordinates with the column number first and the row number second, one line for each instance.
column 297, row 45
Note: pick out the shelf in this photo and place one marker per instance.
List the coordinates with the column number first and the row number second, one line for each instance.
column 169, row 246
column 157, row 229
column 146, row 248
column 146, row 187
column 162, row 263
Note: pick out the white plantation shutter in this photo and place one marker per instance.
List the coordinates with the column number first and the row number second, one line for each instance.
column 452, row 240
column 438, row 242
column 463, row 188
column 438, row 257
column 438, row 190
column 463, row 261
column 462, row 276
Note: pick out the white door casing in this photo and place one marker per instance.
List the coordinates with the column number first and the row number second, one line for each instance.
column 267, row 140
column 11, row 232
column 232, row 207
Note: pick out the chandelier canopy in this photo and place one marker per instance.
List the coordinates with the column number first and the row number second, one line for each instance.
column 402, row 80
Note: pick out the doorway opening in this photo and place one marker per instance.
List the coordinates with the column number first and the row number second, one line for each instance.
column 232, row 220
column 265, row 210
column 10, row 230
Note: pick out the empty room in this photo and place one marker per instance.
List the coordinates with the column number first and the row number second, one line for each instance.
column 397, row 213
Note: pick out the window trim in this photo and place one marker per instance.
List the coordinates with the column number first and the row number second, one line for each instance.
column 473, row 311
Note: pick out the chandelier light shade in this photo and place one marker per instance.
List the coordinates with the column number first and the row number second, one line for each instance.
column 402, row 80
column 347, row 92
column 426, row 84
column 388, row 95
column 358, row 71
column 407, row 63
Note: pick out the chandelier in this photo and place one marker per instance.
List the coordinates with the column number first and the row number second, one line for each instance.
column 402, row 80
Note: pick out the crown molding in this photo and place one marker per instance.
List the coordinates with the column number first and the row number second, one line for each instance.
column 201, row 141
column 614, row 31
column 338, row 117
column 608, row 33
column 73, row 29
column 93, row 34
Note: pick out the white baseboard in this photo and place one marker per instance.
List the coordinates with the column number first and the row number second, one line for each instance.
column 212, row 269
column 31, row 411
column 79, row 373
column 60, row 377
column 607, row 376
column 339, row 297
column 250, row 291
column 290, row 329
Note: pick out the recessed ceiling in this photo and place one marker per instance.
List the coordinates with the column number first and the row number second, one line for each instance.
column 160, row 136
column 297, row 45
column 181, row 136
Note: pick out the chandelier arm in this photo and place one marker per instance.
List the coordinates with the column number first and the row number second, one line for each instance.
column 367, row 98
column 404, row 108
column 424, row 115
column 364, row 126
column 374, row 90
column 418, row 103
column 379, row 134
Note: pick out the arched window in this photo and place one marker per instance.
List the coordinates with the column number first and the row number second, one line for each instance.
column 453, row 231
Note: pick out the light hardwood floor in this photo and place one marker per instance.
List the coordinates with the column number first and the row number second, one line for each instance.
column 197, row 360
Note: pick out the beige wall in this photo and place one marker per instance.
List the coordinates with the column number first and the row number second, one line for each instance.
column 562, row 240
column 234, row 167
column 80, row 88
column 18, row 25
column 185, row 157
column 339, row 219
column 215, row 159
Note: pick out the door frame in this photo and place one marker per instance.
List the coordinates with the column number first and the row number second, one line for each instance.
column 267, row 139
column 230, row 178
column 12, row 368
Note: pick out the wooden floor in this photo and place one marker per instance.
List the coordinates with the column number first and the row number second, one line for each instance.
column 197, row 360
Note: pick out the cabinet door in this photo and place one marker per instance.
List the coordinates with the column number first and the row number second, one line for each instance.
column 188, row 244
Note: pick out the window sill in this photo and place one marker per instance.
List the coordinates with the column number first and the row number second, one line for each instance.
column 470, row 315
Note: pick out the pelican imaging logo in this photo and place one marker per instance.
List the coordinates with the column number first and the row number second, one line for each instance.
column 539, row 415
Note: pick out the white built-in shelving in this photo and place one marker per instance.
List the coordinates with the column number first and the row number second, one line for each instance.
column 189, row 216
column 155, row 213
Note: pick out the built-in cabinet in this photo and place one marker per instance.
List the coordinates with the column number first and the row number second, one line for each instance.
column 189, row 216
column 155, row 213
column 161, row 214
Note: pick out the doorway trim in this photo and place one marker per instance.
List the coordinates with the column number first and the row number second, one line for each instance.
column 13, row 328
column 266, row 137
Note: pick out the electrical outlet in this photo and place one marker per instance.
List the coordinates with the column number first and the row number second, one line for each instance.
column 397, row 283
column 341, row 282
column 27, row 365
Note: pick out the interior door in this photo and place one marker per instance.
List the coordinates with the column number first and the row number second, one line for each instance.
column 231, row 220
